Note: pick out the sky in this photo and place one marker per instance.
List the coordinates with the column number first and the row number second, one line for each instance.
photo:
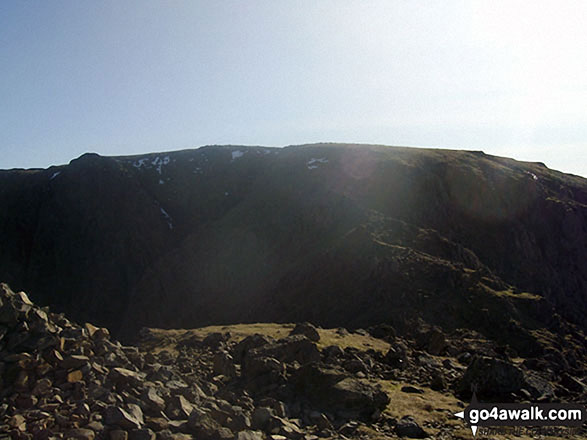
column 135, row 76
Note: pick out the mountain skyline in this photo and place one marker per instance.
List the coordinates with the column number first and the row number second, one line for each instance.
column 122, row 78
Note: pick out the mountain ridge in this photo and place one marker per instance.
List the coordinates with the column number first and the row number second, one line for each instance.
column 329, row 233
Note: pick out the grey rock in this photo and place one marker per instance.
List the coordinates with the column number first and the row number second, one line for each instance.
column 247, row 344
column 74, row 362
column 223, row 364
column 123, row 377
column 130, row 418
column 261, row 372
column 215, row 340
column 152, row 400
column 178, row 407
column 141, row 434
column 250, row 435
column 306, row 329
column 295, row 348
column 261, row 417
column 204, row 427
column 408, row 427
column 334, row 390
column 491, row 377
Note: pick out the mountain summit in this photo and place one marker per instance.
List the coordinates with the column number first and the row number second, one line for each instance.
column 336, row 234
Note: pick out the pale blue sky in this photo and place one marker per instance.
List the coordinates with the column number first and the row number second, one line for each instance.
column 126, row 77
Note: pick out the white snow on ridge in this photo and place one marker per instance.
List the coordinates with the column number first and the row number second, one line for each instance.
column 236, row 154
column 167, row 217
column 314, row 163
column 140, row 162
column 55, row 174
column 158, row 163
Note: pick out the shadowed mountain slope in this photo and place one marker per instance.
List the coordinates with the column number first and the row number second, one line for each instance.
column 348, row 235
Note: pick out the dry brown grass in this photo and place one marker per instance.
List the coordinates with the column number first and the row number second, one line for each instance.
column 277, row 331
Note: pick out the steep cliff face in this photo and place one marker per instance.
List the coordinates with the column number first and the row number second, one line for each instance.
column 337, row 234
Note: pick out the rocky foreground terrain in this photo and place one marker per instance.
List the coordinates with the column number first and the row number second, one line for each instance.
column 61, row 380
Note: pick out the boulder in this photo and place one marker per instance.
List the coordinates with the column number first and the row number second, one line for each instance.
column 332, row 352
column 130, row 418
column 223, row 364
column 296, row 348
column 123, row 377
column 335, row 391
column 215, row 340
column 382, row 331
column 247, row 344
column 306, row 329
column 204, row 427
column 408, row 427
column 13, row 306
column 141, row 434
column 260, row 417
column 539, row 388
column 432, row 340
column 178, row 408
column 491, row 377
column 396, row 356
column 261, row 372
column 250, row 435
column 154, row 403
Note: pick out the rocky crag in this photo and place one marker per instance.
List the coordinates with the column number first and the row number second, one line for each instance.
column 336, row 234
column 61, row 380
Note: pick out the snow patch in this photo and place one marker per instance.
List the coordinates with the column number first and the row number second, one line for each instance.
column 534, row 176
column 55, row 174
column 167, row 218
column 314, row 163
column 161, row 182
column 236, row 154
column 158, row 162
column 140, row 162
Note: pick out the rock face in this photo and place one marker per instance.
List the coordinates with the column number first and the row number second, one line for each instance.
column 338, row 235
